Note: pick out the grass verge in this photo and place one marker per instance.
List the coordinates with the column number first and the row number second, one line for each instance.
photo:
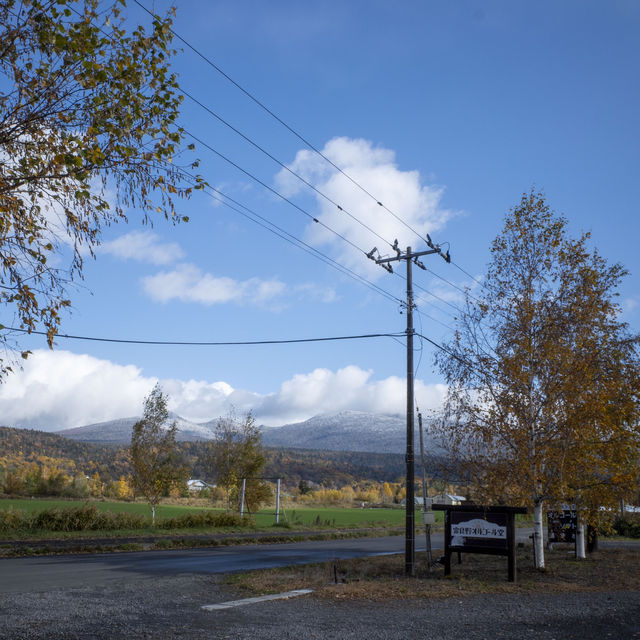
column 382, row 578
column 189, row 541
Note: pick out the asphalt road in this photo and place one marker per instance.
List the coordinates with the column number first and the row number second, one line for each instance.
column 160, row 595
column 18, row 575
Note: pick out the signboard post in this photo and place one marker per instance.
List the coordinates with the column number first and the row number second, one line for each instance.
column 480, row 529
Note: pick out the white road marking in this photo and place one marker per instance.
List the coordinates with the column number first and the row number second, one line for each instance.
column 242, row 603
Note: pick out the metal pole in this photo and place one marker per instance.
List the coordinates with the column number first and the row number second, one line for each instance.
column 244, row 486
column 409, row 552
column 427, row 527
column 278, row 501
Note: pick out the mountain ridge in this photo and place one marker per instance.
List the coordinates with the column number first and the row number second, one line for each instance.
column 341, row 431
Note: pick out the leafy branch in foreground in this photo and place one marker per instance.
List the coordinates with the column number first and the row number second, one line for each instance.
column 88, row 131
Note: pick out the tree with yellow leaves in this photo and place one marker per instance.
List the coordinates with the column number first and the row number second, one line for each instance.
column 543, row 375
column 156, row 464
column 88, row 132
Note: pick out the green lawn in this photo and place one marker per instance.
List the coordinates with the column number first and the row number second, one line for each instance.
column 343, row 517
column 265, row 518
column 33, row 505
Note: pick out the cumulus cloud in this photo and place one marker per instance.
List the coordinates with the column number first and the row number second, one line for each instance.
column 375, row 168
column 188, row 283
column 143, row 246
column 326, row 391
column 59, row 389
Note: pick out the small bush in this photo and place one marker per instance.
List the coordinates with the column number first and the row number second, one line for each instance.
column 13, row 520
column 83, row 518
column 628, row 526
column 205, row 519
column 163, row 543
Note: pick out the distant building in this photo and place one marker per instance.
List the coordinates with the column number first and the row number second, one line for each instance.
column 195, row 486
column 448, row 498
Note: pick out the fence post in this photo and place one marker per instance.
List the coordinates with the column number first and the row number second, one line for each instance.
column 244, row 485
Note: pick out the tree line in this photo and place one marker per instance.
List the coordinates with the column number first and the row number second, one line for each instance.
column 38, row 463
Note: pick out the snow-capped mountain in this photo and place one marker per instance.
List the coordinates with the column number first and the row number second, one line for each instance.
column 344, row 431
column 347, row 431
column 119, row 431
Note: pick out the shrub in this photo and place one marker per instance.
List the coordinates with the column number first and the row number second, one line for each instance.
column 205, row 519
column 83, row 518
column 67, row 518
column 13, row 520
column 627, row 526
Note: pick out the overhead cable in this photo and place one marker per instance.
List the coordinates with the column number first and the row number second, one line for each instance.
column 210, row 343
column 283, row 123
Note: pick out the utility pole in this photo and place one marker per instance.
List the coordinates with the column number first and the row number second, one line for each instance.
column 411, row 258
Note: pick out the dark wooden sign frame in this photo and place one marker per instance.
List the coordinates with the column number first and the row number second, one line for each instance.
column 478, row 538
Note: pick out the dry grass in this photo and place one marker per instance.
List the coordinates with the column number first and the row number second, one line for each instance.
column 382, row 578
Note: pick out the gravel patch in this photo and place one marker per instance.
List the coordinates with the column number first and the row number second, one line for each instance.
column 165, row 608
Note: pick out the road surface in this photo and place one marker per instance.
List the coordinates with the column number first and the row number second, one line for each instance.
column 18, row 575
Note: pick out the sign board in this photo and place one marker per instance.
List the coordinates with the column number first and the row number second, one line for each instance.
column 428, row 517
column 470, row 529
column 562, row 525
column 480, row 529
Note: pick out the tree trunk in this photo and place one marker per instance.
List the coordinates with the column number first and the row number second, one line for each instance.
column 538, row 535
column 153, row 514
column 580, row 550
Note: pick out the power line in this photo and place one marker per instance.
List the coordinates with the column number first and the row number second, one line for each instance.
column 266, row 224
column 427, row 315
column 287, row 168
column 436, row 296
column 272, row 157
column 479, row 282
column 284, row 166
column 282, row 122
column 274, row 191
column 210, row 344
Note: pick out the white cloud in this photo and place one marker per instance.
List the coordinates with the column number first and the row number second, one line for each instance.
column 629, row 304
column 188, row 283
column 317, row 293
column 143, row 246
column 326, row 391
column 59, row 389
column 376, row 170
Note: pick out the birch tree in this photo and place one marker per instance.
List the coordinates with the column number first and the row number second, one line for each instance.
column 543, row 375
column 154, row 454
column 236, row 453
column 88, row 133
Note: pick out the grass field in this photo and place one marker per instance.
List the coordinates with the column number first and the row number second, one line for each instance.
column 382, row 578
column 294, row 517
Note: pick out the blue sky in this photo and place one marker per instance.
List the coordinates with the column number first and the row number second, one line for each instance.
column 445, row 111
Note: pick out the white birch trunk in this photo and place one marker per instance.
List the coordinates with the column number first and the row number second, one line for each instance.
column 153, row 514
column 580, row 547
column 538, row 535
